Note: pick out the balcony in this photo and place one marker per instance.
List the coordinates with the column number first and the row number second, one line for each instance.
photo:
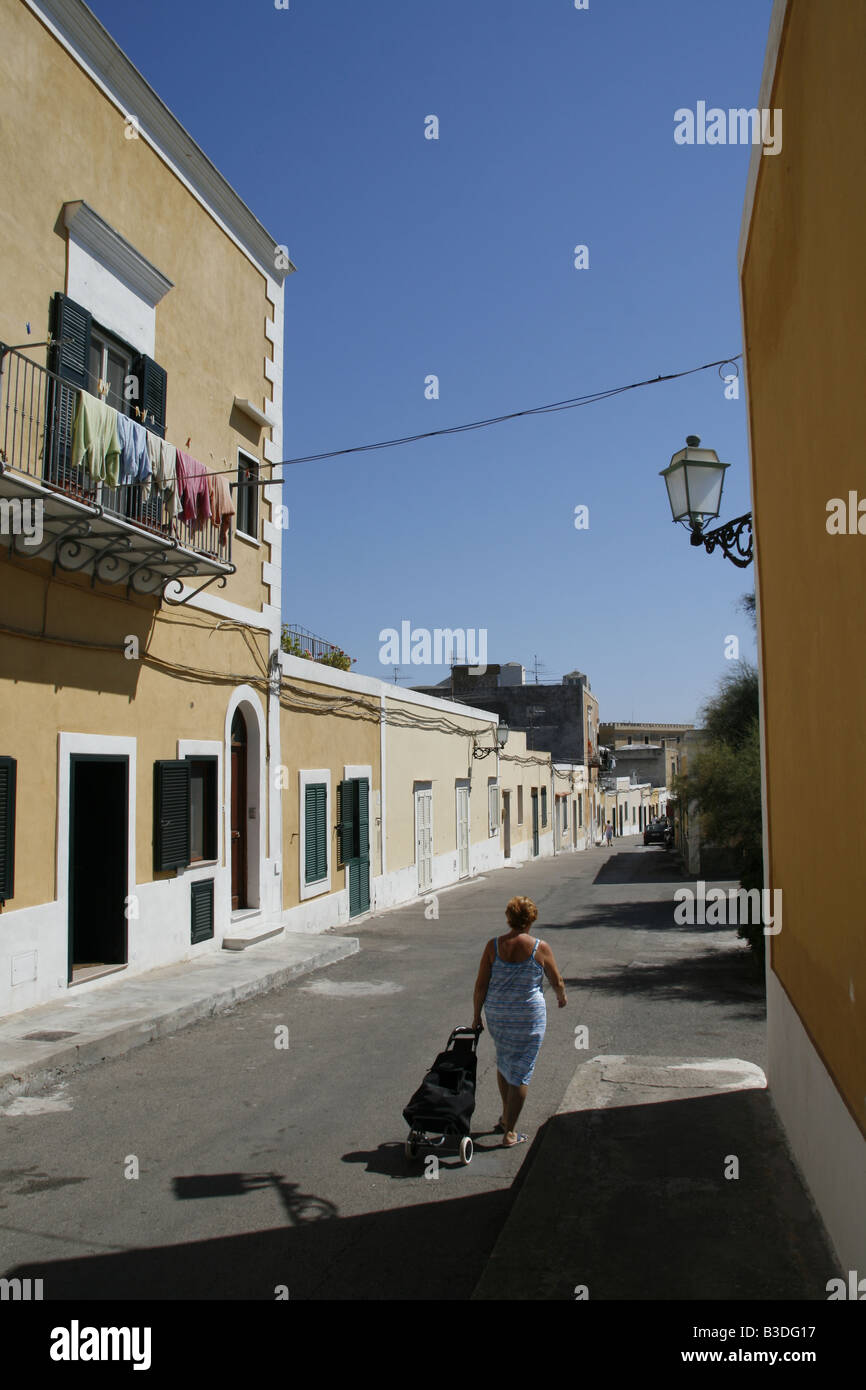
column 81, row 525
column 298, row 641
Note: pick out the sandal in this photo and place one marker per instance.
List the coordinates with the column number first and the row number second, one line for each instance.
column 521, row 1139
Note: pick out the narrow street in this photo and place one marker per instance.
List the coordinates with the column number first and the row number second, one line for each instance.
column 246, row 1150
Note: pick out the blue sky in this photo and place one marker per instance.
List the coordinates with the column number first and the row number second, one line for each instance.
column 454, row 257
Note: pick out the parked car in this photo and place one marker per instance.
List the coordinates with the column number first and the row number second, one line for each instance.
column 656, row 833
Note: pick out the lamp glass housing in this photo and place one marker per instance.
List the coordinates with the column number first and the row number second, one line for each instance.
column 502, row 733
column 694, row 479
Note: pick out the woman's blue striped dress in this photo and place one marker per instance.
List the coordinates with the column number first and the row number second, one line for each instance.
column 516, row 1016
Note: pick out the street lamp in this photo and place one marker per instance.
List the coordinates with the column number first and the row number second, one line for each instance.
column 694, row 479
column 502, row 732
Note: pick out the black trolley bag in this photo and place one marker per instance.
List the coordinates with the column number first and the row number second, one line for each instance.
column 444, row 1103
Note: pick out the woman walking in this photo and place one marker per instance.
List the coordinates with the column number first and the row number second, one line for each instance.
column 508, row 987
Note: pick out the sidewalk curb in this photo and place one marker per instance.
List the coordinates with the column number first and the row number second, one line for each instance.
column 95, row 1046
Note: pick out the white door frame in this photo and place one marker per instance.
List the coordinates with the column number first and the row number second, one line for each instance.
column 463, row 794
column 423, row 791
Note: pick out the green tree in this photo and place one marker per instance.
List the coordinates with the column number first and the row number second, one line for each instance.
column 724, row 780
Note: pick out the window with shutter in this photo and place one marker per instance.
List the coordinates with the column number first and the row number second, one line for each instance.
column 69, row 358
column 203, row 808
column 544, row 806
column 315, row 832
column 8, row 774
column 152, row 389
column 248, row 496
column 171, row 810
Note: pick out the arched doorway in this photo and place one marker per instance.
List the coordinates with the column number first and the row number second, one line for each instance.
column 239, row 811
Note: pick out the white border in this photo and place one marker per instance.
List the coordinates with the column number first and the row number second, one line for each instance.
column 424, row 786
column 103, row 745
column 248, row 701
column 463, row 784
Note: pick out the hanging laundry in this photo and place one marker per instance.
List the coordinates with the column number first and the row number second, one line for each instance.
column 221, row 504
column 192, row 488
column 95, row 441
column 135, row 464
column 163, row 463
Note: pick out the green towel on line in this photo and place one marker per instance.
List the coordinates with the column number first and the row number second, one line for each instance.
column 95, row 440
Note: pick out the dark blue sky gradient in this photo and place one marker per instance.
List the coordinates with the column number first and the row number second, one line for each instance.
column 455, row 257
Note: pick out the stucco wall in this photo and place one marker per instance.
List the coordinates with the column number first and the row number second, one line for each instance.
column 63, row 140
column 51, row 686
column 320, row 737
column 804, row 308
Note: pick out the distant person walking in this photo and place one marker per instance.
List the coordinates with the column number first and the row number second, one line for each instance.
column 608, row 833
column 508, row 987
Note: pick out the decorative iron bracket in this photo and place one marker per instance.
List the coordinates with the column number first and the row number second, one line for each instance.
column 178, row 580
column 734, row 539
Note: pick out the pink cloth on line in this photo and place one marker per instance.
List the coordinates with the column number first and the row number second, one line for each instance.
column 221, row 504
column 192, row 488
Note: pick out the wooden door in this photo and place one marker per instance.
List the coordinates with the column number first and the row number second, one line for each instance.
column 506, row 825
column 239, row 812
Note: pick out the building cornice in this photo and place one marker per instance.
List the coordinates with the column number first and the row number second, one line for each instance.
column 93, row 48
column 115, row 252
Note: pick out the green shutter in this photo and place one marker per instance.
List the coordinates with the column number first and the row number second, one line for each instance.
column 201, row 910
column 363, row 838
column 71, row 358
column 348, row 821
column 315, row 832
column 8, row 772
column 171, row 803
column 359, row 867
column 152, row 386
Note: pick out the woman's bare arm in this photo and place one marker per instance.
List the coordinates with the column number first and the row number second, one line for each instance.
column 545, row 958
column 481, row 984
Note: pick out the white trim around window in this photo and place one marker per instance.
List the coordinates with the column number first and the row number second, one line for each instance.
column 493, row 811
column 322, row 885
column 252, row 537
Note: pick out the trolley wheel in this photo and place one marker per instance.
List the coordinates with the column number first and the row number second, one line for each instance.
column 466, row 1150
column 410, row 1148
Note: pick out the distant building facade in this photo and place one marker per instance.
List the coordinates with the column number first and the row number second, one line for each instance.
column 560, row 719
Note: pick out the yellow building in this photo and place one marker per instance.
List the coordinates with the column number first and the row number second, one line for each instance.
column 139, row 617
column 391, row 794
column 172, row 781
column 803, row 287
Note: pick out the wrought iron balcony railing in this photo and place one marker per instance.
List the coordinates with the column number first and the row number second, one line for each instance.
column 115, row 534
column 298, row 641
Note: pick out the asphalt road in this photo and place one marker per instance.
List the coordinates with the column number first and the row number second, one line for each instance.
column 263, row 1167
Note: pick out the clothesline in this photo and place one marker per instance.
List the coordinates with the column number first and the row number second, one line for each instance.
column 120, row 451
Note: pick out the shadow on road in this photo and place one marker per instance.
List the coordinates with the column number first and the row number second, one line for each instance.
column 718, row 977
column 435, row 1249
column 656, row 865
column 682, row 1199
